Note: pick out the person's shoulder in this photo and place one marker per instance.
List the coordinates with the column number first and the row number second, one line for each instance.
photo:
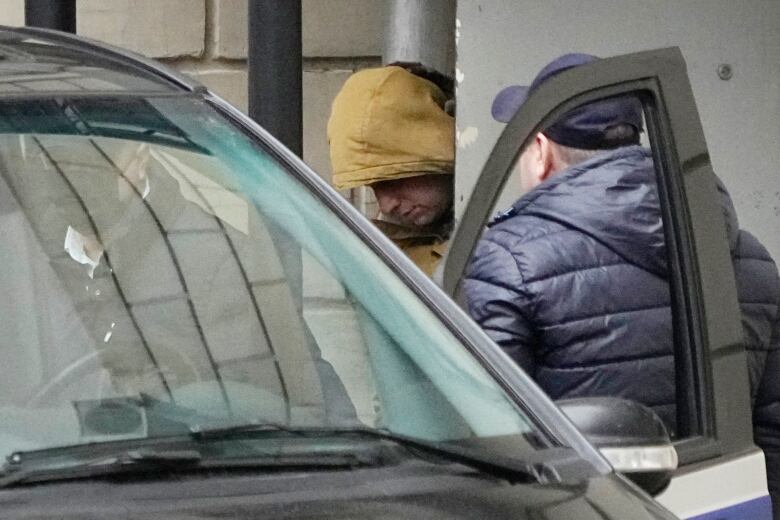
column 518, row 227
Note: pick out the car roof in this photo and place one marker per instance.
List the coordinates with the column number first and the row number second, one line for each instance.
column 36, row 62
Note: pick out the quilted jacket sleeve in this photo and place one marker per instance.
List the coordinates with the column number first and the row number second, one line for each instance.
column 497, row 300
column 759, row 287
column 766, row 411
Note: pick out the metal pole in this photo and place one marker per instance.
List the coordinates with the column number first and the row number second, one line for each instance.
column 421, row 31
column 51, row 14
column 275, row 69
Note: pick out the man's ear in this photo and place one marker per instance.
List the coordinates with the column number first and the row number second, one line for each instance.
column 546, row 157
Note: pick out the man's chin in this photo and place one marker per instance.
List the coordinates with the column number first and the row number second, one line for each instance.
column 417, row 222
column 420, row 221
column 399, row 221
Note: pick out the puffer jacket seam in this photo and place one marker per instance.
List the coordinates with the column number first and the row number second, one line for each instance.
column 521, row 237
column 580, row 340
column 616, row 361
column 755, row 259
column 661, row 403
column 601, row 314
column 577, row 270
column 493, row 283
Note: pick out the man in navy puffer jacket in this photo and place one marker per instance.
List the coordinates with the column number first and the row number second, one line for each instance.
column 572, row 282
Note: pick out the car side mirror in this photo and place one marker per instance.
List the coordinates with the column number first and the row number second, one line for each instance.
column 629, row 435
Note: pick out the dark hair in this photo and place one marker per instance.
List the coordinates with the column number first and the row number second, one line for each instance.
column 441, row 80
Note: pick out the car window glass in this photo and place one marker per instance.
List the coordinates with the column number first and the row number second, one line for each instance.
column 182, row 264
column 591, row 244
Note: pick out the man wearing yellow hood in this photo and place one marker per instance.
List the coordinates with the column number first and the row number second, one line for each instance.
column 388, row 129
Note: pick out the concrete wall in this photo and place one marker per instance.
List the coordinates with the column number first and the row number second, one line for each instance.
column 508, row 41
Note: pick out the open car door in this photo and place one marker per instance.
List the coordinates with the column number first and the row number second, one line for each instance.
column 721, row 472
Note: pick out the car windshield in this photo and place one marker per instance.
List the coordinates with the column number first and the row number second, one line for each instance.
column 164, row 273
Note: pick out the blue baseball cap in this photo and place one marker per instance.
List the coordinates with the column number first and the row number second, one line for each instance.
column 585, row 126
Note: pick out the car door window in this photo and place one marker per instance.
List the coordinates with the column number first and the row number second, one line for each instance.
column 601, row 220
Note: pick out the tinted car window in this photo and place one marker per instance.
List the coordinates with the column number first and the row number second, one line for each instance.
column 593, row 309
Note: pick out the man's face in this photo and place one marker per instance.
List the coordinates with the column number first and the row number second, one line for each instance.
column 415, row 201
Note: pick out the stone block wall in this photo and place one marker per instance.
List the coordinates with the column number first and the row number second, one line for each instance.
column 207, row 39
column 12, row 12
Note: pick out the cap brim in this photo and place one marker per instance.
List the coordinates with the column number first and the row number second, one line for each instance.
column 507, row 102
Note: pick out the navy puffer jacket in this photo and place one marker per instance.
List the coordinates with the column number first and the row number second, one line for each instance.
column 572, row 283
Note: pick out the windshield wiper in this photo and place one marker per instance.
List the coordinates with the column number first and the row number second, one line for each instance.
column 505, row 468
column 17, row 471
column 174, row 454
column 200, row 433
column 39, row 466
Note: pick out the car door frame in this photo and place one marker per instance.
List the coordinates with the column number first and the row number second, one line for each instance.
column 710, row 359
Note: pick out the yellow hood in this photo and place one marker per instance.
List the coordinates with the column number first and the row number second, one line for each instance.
column 387, row 123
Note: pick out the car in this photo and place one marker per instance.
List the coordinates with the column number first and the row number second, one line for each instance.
column 196, row 325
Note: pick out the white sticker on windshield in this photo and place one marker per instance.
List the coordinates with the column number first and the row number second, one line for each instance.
column 83, row 250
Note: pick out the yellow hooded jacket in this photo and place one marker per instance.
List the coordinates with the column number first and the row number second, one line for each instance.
column 386, row 123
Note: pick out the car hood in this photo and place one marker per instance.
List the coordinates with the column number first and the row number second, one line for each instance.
column 357, row 494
